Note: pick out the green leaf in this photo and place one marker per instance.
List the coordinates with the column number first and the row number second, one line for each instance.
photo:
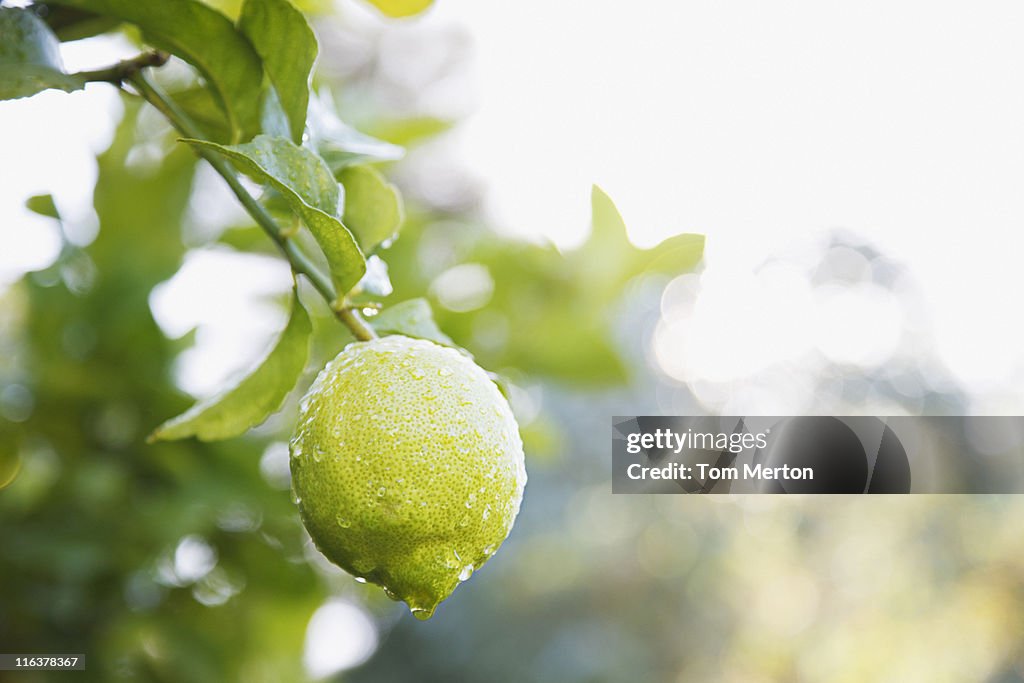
column 202, row 108
column 550, row 312
column 338, row 143
column 247, row 238
column 307, row 185
column 606, row 222
column 255, row 397
column 70, row 24
column 675, row 255
column 273, row 119
column 410, row 131
column 608, row 259
column 43, row 205
column 573, row 348
column 412, row 318
column 204, row 38
column 401, row 8
column 286, row 44
column 30, row 56
column 373, row 206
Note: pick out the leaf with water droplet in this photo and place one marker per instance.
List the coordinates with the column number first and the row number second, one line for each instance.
column 373, row 206
column 310, row 190
column 287, row 47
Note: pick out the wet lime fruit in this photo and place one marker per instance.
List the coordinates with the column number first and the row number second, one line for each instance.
column 407, row 466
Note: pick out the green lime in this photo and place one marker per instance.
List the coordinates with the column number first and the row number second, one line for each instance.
column 407, row 466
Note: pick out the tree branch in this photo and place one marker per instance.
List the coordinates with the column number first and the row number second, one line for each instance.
column 124, row 70
column 300, row 263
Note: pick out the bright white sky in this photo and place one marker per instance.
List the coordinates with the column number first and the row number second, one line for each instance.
column 763, row 123
column 754, row 123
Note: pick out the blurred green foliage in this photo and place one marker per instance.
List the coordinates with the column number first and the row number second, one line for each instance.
column 94, row 513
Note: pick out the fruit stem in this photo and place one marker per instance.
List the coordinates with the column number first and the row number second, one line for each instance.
column 348, row 315
column 300, row 263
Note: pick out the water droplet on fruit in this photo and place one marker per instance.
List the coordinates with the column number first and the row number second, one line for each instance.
column 451, row 559
column 381, row 491
column 466, row 572
column 360, row 579
column 342, row 522
column 421, row 613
